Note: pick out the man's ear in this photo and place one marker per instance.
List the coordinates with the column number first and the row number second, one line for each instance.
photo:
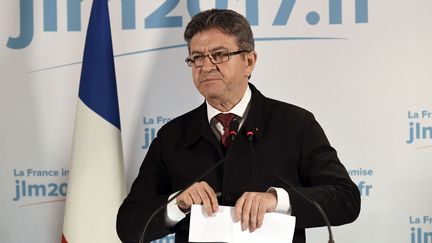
column 251, row 58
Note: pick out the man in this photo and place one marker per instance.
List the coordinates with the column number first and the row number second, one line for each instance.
column 222, row 58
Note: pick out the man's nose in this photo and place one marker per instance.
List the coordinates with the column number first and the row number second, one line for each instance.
column 208, row 64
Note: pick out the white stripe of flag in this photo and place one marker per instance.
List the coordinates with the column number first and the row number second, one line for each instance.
column 96, row 185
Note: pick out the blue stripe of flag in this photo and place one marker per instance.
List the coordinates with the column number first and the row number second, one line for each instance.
column 98, row 89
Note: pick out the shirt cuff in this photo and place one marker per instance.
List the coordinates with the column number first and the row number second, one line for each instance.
column 283, row 204
column 173, row 214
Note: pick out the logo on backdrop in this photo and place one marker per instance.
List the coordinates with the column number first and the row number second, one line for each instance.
column 39, row 186
column 420, row 229
column 420, row 128
column 164, row 15
column 151, row 126
column 361, row 176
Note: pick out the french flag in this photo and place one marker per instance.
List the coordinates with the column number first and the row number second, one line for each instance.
column 96, row 184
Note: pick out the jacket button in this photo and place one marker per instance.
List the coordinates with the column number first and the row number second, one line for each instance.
column 227, row 198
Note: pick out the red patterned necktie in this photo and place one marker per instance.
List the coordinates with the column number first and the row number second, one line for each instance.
column 225, row 120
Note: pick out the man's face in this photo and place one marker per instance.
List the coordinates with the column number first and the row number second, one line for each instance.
column 225, row 81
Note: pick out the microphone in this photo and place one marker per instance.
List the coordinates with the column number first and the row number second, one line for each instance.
column 231, row 136
column 250, row 135
column 232, row 133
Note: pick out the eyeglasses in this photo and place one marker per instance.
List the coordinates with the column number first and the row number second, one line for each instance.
column 216, row 57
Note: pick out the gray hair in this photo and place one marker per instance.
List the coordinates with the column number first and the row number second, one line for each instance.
column 225, row 20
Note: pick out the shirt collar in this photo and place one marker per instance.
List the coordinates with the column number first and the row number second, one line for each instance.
column 239, row 109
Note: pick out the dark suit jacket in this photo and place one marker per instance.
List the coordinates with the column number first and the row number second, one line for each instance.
column 286, row 137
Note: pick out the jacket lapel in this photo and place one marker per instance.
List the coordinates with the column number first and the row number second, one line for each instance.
column 201, row 129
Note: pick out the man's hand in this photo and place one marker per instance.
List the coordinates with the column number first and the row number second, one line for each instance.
column 251, row 207
column 198, row 193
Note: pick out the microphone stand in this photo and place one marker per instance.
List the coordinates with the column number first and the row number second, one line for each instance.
column 250, row 136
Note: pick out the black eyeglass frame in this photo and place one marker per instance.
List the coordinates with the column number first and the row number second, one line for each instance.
column 189, row 62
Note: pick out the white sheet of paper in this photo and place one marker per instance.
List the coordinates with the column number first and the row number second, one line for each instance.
column 276, row 227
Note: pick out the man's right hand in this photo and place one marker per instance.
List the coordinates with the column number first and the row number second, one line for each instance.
column 198, row 193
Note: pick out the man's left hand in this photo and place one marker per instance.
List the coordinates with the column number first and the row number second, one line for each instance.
column 251, row 207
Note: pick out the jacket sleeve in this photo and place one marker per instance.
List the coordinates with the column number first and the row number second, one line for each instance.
column 324, row 179
column 149, row 191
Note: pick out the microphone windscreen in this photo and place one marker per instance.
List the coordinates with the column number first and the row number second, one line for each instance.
column 234, row 126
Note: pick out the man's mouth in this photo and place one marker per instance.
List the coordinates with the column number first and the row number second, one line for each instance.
column 209, row 79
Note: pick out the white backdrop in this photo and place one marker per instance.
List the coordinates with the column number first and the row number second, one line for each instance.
column 364, row 68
